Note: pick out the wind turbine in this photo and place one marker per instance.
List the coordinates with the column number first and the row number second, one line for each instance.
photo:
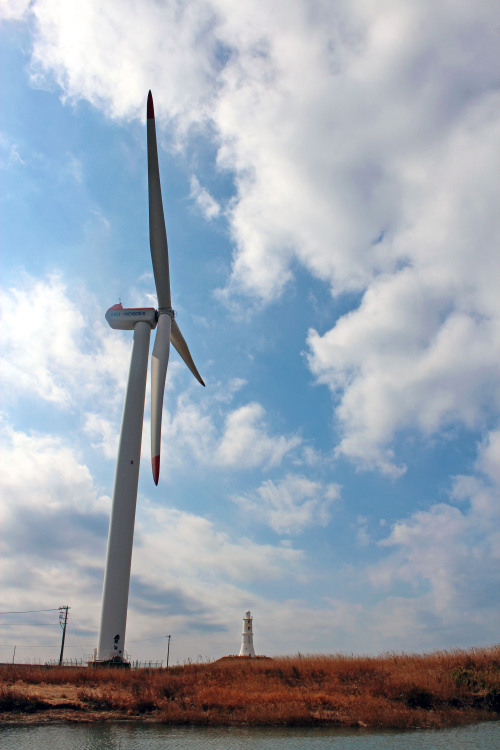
column 110, row 649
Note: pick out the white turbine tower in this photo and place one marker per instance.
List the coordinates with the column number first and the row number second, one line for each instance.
column 110, row 649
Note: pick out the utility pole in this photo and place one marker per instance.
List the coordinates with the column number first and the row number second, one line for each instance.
column 63, row 621
column 168, row 648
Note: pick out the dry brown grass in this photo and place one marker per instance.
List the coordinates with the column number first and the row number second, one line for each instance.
column 394, row 690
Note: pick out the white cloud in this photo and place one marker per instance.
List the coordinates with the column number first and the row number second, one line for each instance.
column 63, row 354
column 56, row 348
column 40, row 473
column 112, row 43
column 217, row 555
column 227, row 391
column 328, row 117
column 245, row 441
column 200, row 580
column 54, row 528
column 291, row 504
column 447, row 556
column 362, row 535
column 420, row 349
column 446, row 560
column 205, row 202
column 403, row 360
column 104, row 432
column 53, row 550
column 362, row 140
column 13, row 10
column 242, row 440
column 489, row 452
column 332, row 128
column 363, row 146
column 238, row 438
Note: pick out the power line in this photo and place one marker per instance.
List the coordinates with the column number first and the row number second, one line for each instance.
column 30, row 611
column 47, row 645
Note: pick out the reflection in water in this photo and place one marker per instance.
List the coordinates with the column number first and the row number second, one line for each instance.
column 152, row 737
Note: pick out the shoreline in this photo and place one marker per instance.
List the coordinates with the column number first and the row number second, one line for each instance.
column 56, row 718
column 395, row 691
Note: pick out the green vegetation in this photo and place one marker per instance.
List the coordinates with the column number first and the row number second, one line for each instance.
column 394, row 690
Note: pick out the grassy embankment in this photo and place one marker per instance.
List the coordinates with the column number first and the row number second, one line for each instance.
column 396, row 690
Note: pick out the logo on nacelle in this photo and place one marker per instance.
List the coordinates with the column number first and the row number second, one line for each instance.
column 125, row 319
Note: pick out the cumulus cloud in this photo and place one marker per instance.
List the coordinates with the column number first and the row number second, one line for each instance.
column 448, row 555
column 62, row 353
column 205, row 202
column 201, row 578
column 487, row 461
column 13, row 10
column 68, row 358
column 419, row 351
column 328, row 117
column 246, row 442
column 54, row 527
column 233, row 438
column 53, row 549
column 407, row 357
column 37, row 471
column 104, row 433
column 217, row 554
column 337, row 136
column 291, row 504
column 442, row 557
column 362, row 141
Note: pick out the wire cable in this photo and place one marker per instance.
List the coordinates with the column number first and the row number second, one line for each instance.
column 30, row 611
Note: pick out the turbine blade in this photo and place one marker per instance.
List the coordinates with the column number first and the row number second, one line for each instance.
column 179, row 343
column 159, row 364
column 157, row 231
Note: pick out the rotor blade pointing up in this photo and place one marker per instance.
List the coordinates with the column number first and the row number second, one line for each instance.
column 157, row 231
column 167, row 329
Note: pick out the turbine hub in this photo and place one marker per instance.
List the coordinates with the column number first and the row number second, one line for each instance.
column 165, row 311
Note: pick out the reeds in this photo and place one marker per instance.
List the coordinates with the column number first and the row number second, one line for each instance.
column 394, row 690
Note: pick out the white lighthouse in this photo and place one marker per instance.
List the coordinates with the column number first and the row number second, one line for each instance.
column 247, row 636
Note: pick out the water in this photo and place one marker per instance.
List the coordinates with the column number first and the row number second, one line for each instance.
column 153, row 737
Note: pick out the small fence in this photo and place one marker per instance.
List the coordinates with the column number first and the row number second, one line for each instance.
column 67, row 663
column 89, row 663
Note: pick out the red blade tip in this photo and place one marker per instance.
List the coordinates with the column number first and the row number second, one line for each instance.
column 156, row 468
column 151, row 109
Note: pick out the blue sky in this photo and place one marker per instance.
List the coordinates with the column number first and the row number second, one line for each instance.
column 330, row 181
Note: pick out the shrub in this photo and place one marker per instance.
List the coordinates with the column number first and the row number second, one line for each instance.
column 419, row 698
column 13, row 701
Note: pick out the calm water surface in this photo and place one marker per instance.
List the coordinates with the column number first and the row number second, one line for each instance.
column 126, row 737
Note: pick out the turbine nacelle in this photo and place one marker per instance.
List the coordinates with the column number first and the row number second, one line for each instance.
column 126, row 318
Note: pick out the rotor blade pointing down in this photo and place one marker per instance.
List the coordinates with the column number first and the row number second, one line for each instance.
column 159, row 364
column 179, row 343
column 157, row 231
